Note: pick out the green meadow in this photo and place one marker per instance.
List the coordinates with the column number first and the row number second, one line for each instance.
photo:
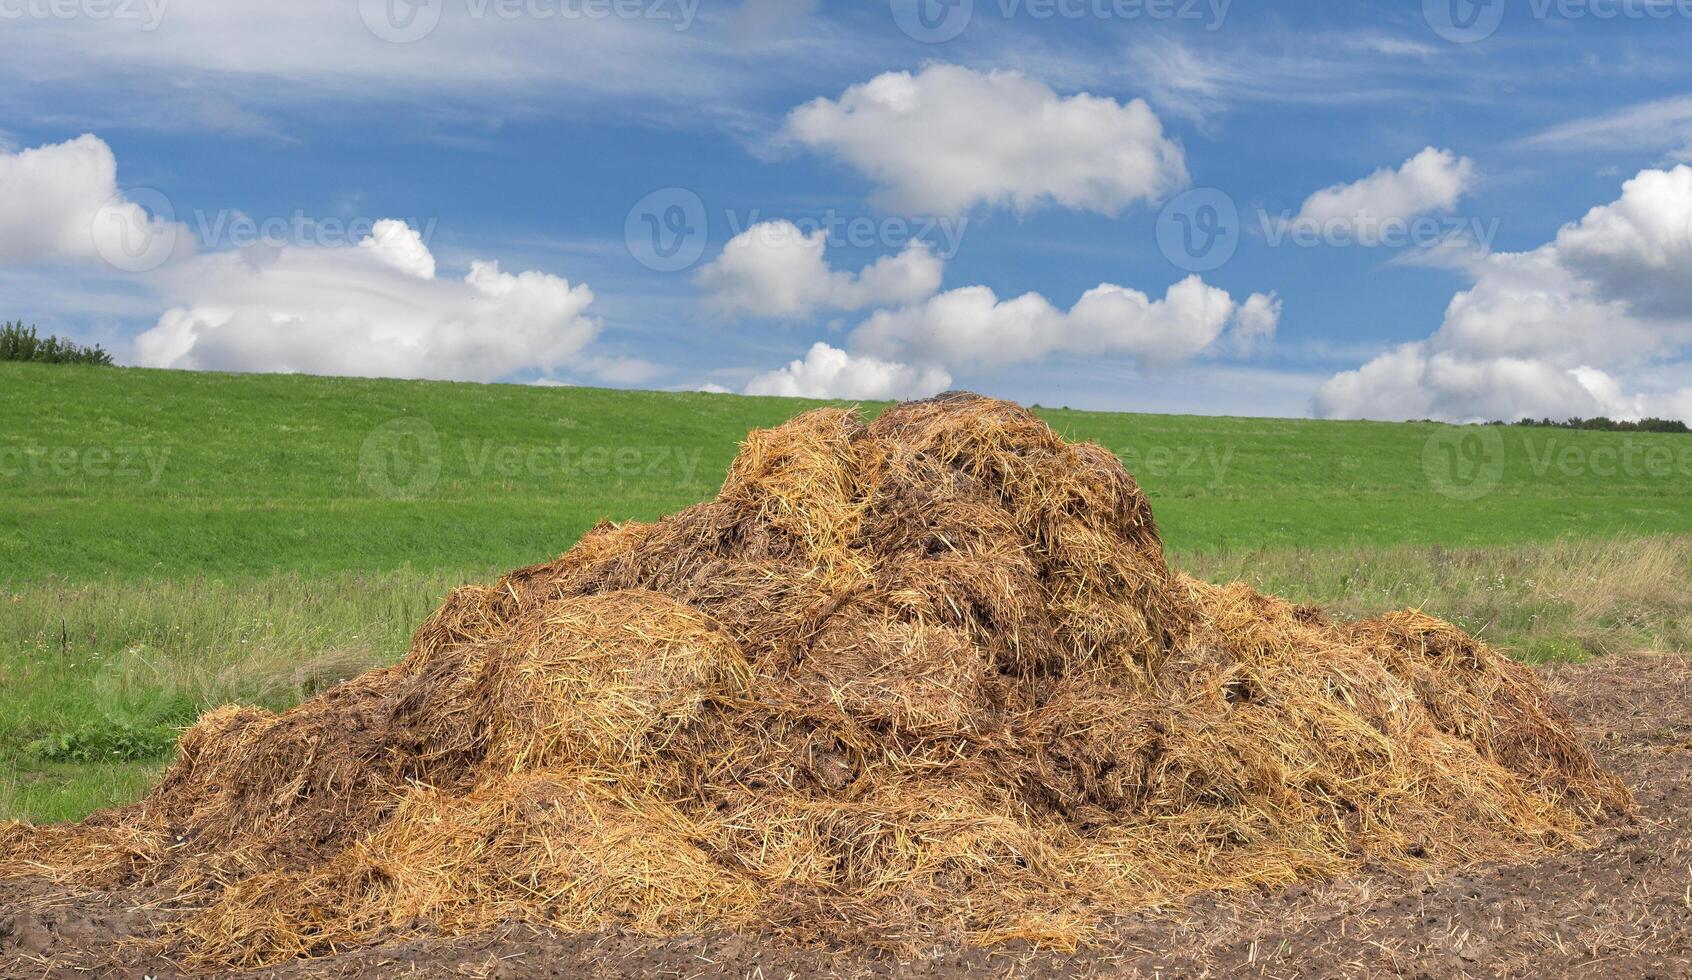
column 171, row 541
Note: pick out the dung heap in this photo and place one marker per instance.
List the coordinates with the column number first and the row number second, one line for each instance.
column 924, row 680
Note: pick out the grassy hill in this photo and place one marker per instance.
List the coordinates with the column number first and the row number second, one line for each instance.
column 171, row 541
column 137, row 473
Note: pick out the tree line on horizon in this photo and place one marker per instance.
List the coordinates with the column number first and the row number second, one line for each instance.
column 1602, row 423
column 21, row 343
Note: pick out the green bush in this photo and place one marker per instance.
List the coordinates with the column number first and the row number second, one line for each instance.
column 108, row 740
column 20, row 343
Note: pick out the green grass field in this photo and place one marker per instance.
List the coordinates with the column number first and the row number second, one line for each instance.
column 163, row 474
column 170, row 541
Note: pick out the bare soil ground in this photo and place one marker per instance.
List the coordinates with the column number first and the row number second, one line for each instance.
column 1620, row 909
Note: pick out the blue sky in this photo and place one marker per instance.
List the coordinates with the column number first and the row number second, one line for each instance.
column 327, row 176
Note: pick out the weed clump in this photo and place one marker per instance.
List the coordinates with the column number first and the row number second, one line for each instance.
column 923, row 679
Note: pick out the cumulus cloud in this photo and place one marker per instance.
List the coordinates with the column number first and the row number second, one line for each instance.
column 399, row 246
column 374, row 309
column 61, row 202
column 1639, row 247
column 972, row 326
column 775, row 269
column 828, row 372
column 948, row 138
column 1256, row 321
column 1432, row 180
column 1559, row 330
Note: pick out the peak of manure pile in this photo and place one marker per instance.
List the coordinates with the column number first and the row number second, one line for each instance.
column 923, row 679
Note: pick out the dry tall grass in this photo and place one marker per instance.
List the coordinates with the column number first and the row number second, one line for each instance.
column 1559, row 600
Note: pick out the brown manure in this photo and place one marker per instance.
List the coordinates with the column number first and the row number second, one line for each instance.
column 926, row 679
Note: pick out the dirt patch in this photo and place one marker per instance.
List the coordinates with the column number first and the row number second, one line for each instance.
column 1620, row 909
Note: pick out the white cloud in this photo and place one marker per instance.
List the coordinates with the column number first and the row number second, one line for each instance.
column 775, row 269
column 235, row 66
column 1256, row 321
column 828, row 372
column 376, row 309
column 397, row 245
column 1639, row 247
column 1663, row 122
column 61, row 202
column 1415, row 381
column 972, row 326
column 620, row 370
column 949, row 138
column 1432, row 180
column 1273, row 66
column 1564, row 329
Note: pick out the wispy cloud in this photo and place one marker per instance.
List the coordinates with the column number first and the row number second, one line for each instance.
column 245, row 69
column 1352, row 68
column 1663, row 123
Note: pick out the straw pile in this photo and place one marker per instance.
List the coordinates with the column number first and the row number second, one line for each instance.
column 923, row 680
